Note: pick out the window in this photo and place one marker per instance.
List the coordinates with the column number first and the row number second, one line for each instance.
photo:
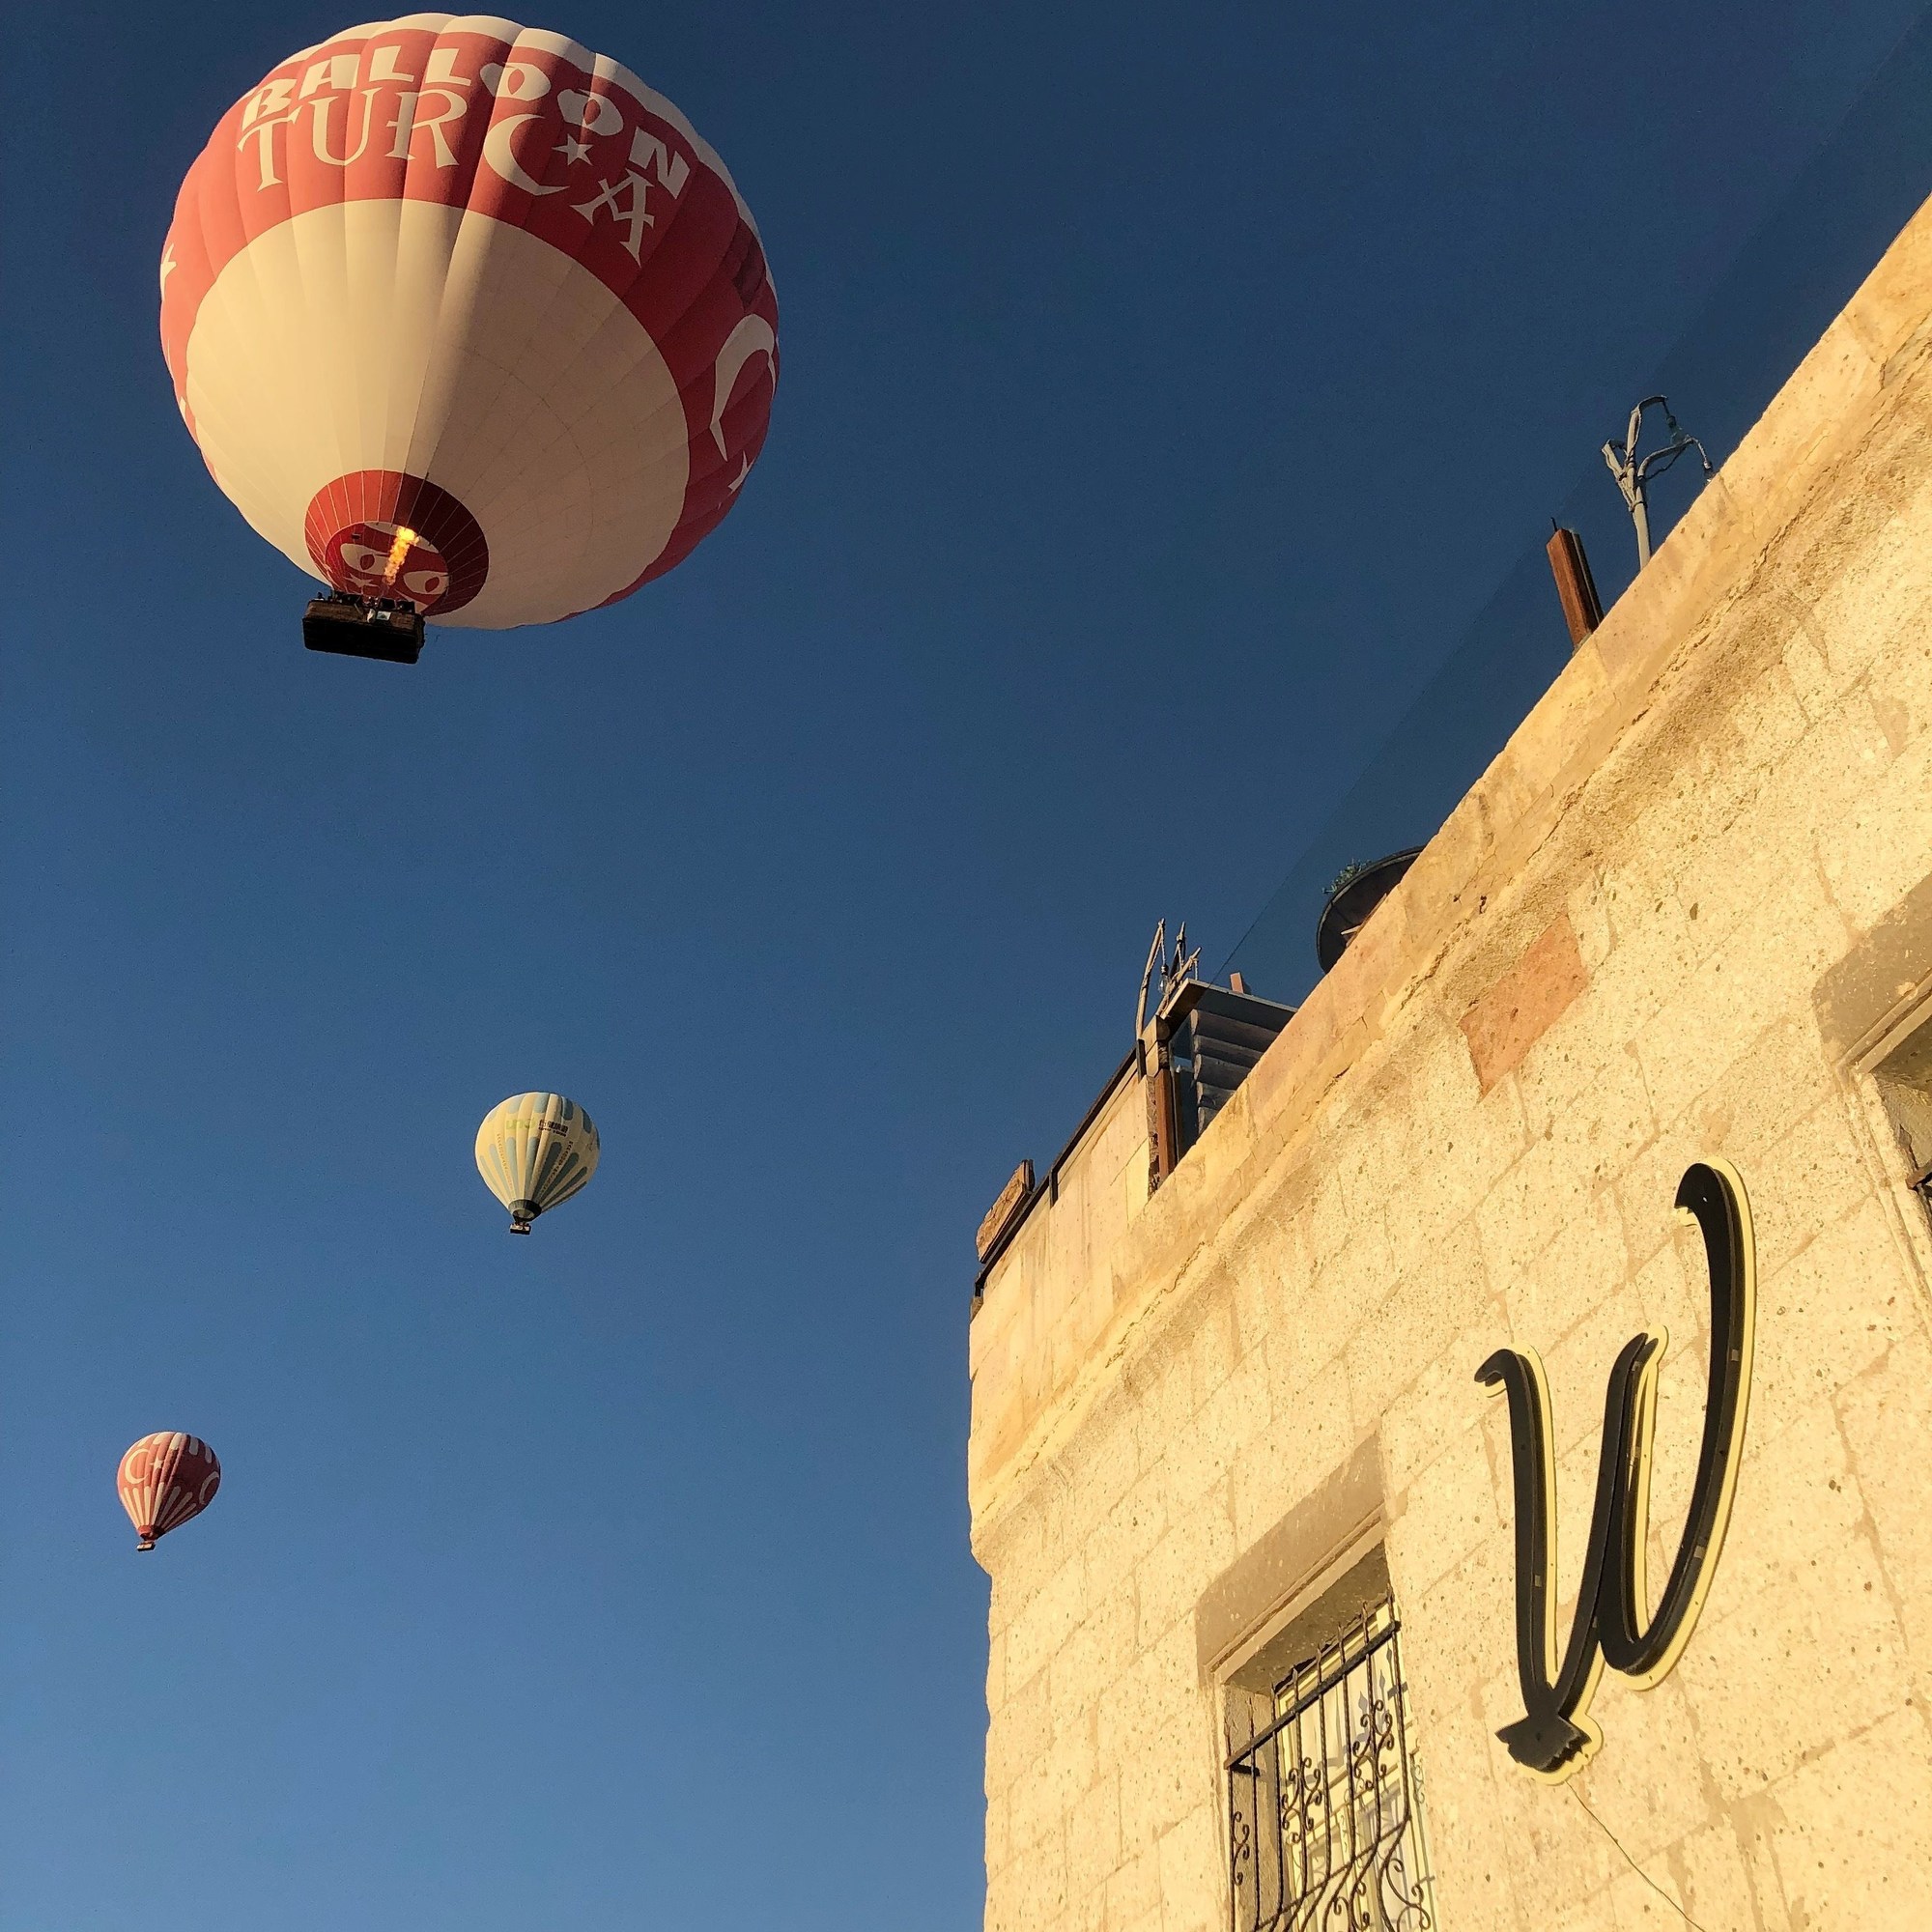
column 1875, row 1020
column 1904, row 1078
column 1325, row 1796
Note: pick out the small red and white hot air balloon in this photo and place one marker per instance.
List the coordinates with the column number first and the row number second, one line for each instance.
column 470, row 323
column 163, row 1479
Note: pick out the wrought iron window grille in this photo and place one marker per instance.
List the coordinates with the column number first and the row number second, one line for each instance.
column 1324, row 1802
column 1902, row 1068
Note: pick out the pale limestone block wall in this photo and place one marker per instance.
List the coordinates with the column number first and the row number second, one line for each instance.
column 1717, row 825
column 1054, row 1298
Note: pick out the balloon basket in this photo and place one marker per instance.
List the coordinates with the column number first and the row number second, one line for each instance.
column 355, row 627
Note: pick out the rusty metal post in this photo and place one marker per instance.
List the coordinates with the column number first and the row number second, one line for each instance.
column 1163, row 1112
column 1575, row 587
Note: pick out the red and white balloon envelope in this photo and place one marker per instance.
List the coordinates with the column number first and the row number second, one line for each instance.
column 164, row 1479
column 465, row 317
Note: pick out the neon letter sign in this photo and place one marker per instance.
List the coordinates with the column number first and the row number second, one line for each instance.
column 1555, row 1737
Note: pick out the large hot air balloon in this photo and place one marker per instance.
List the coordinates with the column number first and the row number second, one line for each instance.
column 469, row 323
column 533, row 1150
column 163, row 1479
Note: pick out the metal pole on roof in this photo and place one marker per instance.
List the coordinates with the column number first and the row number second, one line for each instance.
column 1633, row 473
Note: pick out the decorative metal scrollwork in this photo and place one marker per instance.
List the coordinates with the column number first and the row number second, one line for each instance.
column 1333, row 1770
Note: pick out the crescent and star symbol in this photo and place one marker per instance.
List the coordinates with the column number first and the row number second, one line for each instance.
column 499, row 150
column 753, row 336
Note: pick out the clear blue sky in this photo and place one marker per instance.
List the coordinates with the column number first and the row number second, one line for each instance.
column 1163, row 389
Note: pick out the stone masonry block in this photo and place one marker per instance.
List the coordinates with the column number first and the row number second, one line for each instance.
column 1268, row 1474
column 1448, row 1508
column 1133, row 1888
column 1192, row 1886
column 1590, row 920
column 1157, row 1380
column 1647, row 1784
column 1335, row 1299
column 1585, row 1092
column 1101, row 1465
column 1875, row 854
column 1674, row 1296
column 1460, row 1161
column 1865, row 575
column 1260, row 1274
column 1214, row 1348
column 1655, row 941
column 996, row 1670
column 1826, row 1315
column 1778, row 1081
column 1890, row 306
column 1900, row 691
column 1196, row 1464
column 1886, row 1414
column 1330, row 1224
column 1094, row 1842
column 1723, row 1004
column 1586, row 1265
column 1047, row 1620
column 1522, row 1005
column 1472, row 1857
column 1445, row 1402
column 1035, row 1825
column 1059, row 1778
column 1524, row 1213
column 1817, row 686
column 1123, row 1540
column 1798, row 1503
column 1310, row 1412
column 1038, row 1893
column 1155, row 1793
column 1555, row 1853
column 1578, row 1367
column 1543, row 747
column 1095, row 1652
column 1812, row 1177
column 1019, row 1735
column 1646, row 1192
column 1416, row 1321
column 1197, row 1546
column 999, row 1848
column 1458, row 1635
column 1826, row 1637
column 1708, row 1875
column 1851, row 1831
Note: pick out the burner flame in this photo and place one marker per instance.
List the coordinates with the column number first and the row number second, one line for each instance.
column 398, row 550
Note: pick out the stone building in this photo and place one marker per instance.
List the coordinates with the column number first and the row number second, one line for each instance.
column 1251, row 1519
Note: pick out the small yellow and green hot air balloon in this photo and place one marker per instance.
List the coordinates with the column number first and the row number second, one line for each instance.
column 533, row 1150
